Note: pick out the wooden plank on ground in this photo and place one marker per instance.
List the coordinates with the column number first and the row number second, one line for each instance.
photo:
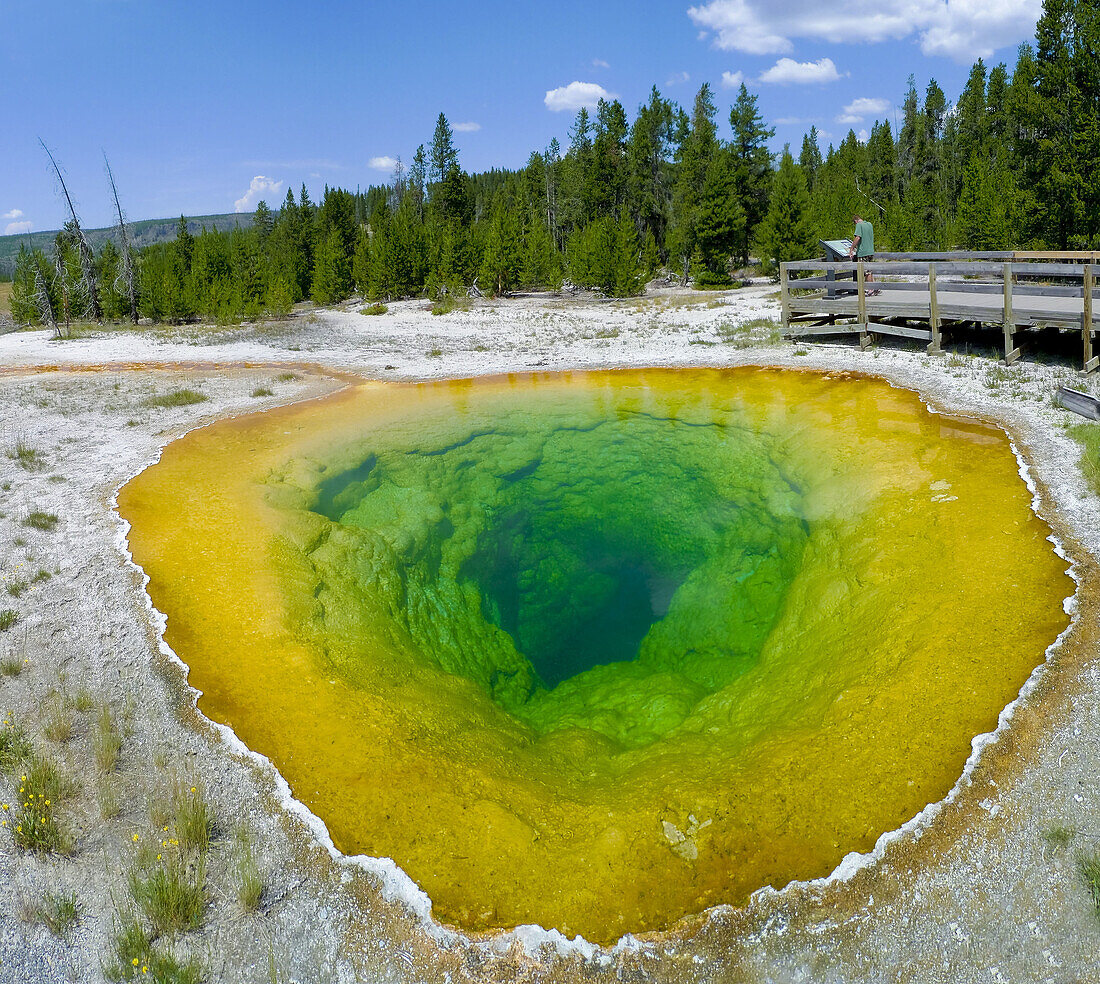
column 1082, row 403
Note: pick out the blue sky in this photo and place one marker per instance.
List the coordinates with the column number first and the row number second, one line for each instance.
column 206, row 106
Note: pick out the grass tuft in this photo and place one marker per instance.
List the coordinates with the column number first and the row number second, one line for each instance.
column 170, row 892
column 1089, row 437
column 176, row 398
column 448, row 303
column 376, row 309
column 135, row 958
column 1088, row 867
column 41, row 575
column 36, row 826
column 250, row 883
column 106, row 740
column 263, row 391
column 25, row 456
column 83, row 701
column 192, row 816
column 286, row 377
column 16, row 587
column 10, row 667
column 15, row 747
column 8, row 618
column 58, row 913
column 1059, row 834
column 39, row 520
column 59, row 724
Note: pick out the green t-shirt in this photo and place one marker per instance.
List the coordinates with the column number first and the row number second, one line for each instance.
column 866, row 235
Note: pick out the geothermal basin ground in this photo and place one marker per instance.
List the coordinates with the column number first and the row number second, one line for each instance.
column 984, row 886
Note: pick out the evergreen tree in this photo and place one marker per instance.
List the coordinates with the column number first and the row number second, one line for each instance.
column 720, row 221
column 263, row 221
column 626, row 272
column 442, row 156
column 698, row 146
column 331, row 274
column 541, row 267
column 787, row 231
column 500, row 261
column 810, row 158
column 752, row 164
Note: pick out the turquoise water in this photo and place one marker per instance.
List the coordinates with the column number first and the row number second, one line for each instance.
column 603, row 574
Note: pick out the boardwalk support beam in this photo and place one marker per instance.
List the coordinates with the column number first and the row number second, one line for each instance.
column 784, row 297
column 865, row 338
column 1091, row 361
column 1011, row 353
column 935, row 347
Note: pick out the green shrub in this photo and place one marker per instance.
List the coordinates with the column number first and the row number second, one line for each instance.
column 1089, row 437
column 177, row 398
column 39, row 520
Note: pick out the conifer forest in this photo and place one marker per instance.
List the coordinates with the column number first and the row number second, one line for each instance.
column 692, row 192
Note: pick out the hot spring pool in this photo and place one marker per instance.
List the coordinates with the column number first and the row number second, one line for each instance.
column 599, row 650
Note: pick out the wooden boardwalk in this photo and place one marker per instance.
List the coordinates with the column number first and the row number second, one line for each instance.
column 925, row 295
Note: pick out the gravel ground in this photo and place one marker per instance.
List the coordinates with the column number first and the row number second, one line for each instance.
column 979, row 888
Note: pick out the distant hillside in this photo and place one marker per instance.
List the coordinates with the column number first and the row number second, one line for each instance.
column 144, row 233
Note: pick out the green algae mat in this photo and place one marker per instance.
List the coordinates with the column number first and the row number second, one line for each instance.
column 599, row 650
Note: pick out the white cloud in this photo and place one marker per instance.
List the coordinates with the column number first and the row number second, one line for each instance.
column 867, row 107
column 15, row 213
column 384, row 163
column 575, row 95
column 732, row 80
column 678, row 78
column 599, row 63
column 862, row 136
column 259, row 188
column 787, row 71
column 15, row 228
column 959, row 29
column 859, row 109
column 467, row 127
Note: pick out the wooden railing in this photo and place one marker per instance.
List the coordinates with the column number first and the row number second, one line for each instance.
column 1011, row 277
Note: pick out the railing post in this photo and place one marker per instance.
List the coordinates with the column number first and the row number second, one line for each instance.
column 935, row 346
column 864, row 336
column 784, row 297
column 1091, row 361
column 1011, row 354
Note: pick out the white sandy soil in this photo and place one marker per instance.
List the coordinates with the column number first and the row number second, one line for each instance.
column 974, row 890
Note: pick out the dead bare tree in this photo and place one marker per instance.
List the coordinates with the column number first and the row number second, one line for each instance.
column 88, row 282
column 61, row 279
column 42, row 300
column 126, row 276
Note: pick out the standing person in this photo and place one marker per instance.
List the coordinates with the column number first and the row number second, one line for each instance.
column 863, row 245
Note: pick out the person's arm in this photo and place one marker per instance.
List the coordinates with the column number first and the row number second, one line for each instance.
column 854, row 247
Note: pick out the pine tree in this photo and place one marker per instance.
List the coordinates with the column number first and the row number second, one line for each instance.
column 626, row 272
column 263, row 221
column 331, row 273
column 500, row 261
column 442, row 156
column 810, row 158
column 541, row 268
column 720, row 221
column 787, row 231
column 752, row 164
